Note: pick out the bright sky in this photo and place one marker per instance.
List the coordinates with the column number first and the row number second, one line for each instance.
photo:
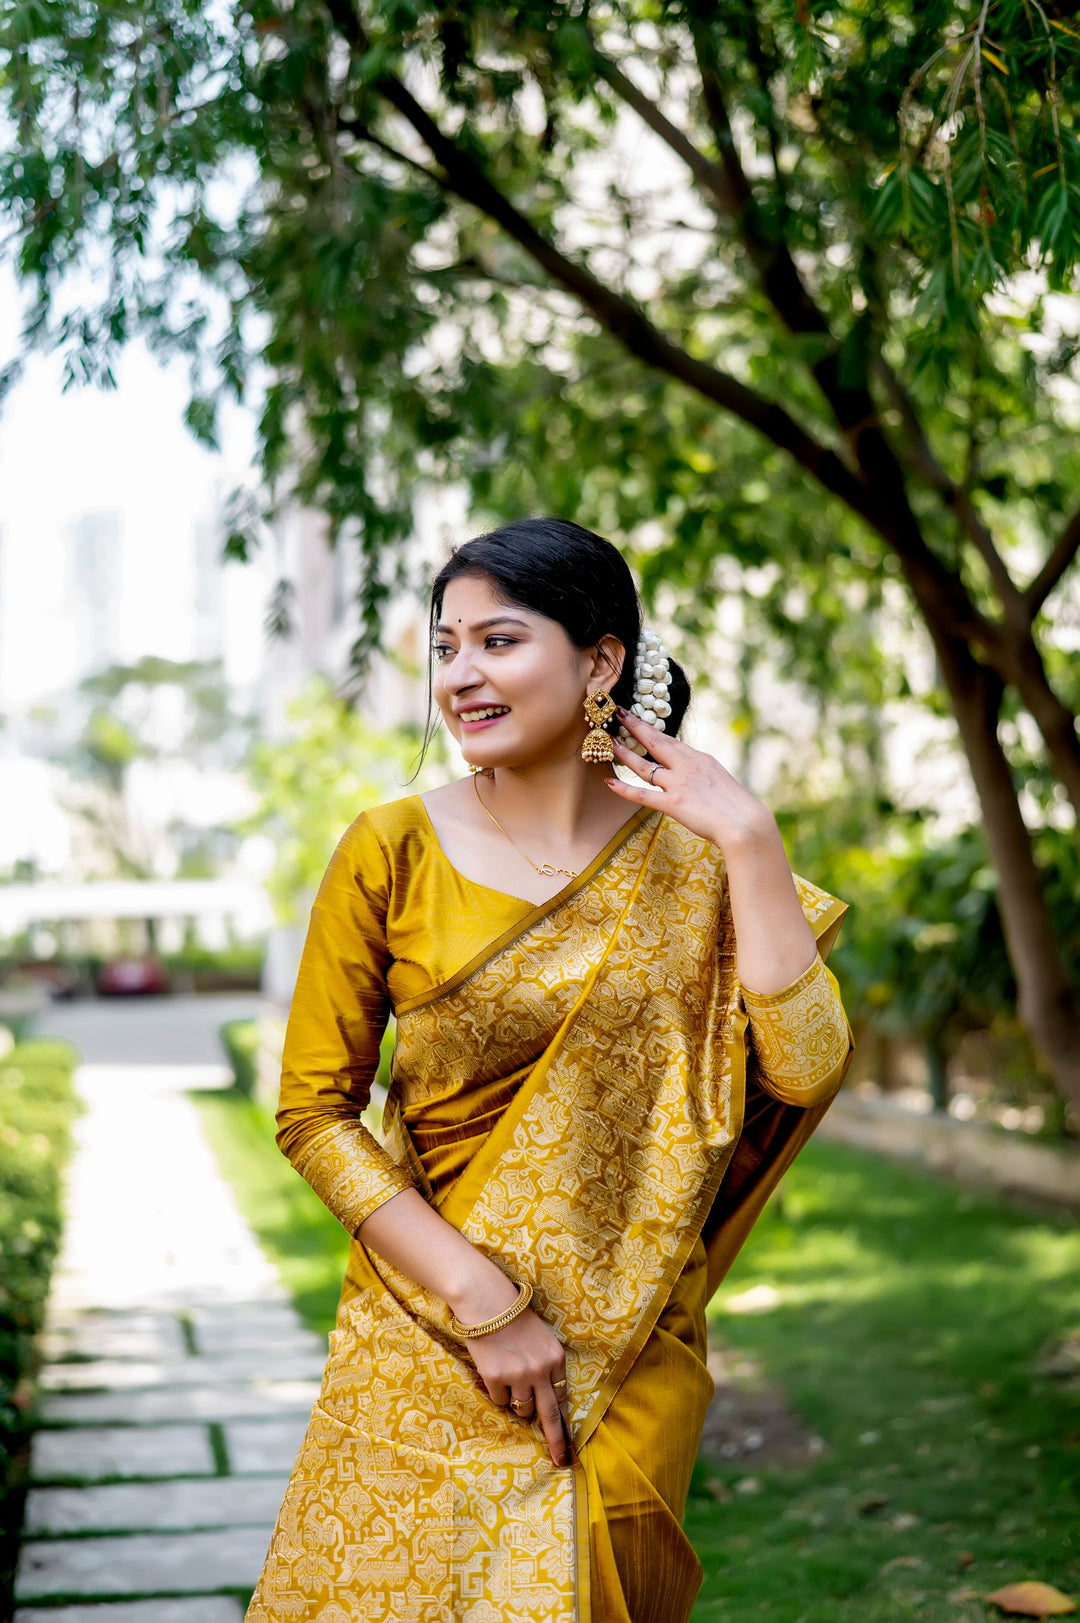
column 65, row 455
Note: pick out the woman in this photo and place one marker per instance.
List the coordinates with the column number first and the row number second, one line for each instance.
column 614, row 1032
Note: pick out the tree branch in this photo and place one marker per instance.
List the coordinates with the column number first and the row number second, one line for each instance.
column 364, row 132
column 1062, row 553
column 771, row 258
column 956, row 497
column 615, row 312
column 876, row 492
column 851, row 403
column 710, row 176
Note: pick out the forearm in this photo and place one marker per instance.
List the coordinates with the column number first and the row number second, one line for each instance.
column 419, row 1243
column 774, row 942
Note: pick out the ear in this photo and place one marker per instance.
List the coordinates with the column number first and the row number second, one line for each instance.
column 607, row 663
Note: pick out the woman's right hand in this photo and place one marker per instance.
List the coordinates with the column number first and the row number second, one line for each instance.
column 523, row 1363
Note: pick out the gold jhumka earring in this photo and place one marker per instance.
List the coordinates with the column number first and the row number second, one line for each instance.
column 599, row 708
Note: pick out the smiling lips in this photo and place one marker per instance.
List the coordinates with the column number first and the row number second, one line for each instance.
column 482, row 716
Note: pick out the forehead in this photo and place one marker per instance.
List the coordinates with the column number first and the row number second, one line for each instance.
column 471, row 598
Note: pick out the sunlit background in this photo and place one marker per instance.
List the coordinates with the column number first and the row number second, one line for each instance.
column 176, row 763
column 889, row 214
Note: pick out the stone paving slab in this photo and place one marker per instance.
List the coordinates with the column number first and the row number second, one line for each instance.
column 180, row 1563
column 93, row 1452
column 264, row 1445
column 113, row 1335
column 150, row 1404
column 226, row 1343
column 115, row 1373
column 204, row 1609
column 143, row 1507
column 167, row 1330
column 260, row 1315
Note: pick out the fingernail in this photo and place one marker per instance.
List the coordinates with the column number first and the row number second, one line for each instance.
column 619, row 711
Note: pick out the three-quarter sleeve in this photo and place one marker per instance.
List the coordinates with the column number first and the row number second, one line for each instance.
column 801, row 1037
column 339, row 1013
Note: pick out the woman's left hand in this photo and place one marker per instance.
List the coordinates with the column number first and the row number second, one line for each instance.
column 697, row 791
column 774, row 943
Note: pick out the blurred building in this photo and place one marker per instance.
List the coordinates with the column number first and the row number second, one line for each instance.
column 316, row 621
column 93, row 589
column 98, row 590
column 314, row 604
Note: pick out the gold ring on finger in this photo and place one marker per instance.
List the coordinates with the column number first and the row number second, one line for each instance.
column 517, row 1404
column 558, row 1386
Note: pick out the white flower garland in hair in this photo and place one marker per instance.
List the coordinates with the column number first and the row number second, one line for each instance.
column 652, row 687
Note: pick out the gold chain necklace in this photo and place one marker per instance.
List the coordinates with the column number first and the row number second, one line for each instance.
column 548, row 869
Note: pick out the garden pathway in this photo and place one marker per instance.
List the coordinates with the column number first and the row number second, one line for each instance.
column 178, row 1378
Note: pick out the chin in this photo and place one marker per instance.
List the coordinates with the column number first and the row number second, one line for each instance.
column 488, row 759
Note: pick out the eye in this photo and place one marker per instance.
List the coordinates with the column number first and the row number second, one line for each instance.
column 441, row 649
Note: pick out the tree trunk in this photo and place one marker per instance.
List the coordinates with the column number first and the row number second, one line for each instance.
column 1054, row 720
column 937, row 1072
column 1047, row 1003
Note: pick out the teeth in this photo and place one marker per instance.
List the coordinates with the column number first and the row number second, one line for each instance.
column 481, row 715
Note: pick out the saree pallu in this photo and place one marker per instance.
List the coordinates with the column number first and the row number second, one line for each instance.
column 580, row 1099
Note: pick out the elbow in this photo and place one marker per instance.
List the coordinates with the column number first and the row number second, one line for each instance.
column 813, row 1084
column 300, row 1126
column 290, row 1127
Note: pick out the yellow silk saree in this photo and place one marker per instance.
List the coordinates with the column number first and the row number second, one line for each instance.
column 583, row 1089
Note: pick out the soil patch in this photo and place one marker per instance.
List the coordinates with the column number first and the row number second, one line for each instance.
column 750, row 1421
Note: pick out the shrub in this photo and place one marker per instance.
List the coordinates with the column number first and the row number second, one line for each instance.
column 37, row 1108
column 240, row 1040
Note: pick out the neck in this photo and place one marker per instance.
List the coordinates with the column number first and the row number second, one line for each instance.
column 561, row 800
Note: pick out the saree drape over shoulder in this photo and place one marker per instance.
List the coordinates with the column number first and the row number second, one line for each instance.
column 585, row 1091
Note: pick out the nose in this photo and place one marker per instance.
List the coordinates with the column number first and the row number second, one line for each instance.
column 462, row 673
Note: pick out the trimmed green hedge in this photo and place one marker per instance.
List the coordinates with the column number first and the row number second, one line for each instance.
column 37, row 1108
column 240, row 1040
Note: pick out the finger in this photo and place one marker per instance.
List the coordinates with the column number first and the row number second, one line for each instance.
column 498, row 1392
column 659, row 745
column 628, row 757
column 523, row 1403
column 551, row 1420
column 640, row 793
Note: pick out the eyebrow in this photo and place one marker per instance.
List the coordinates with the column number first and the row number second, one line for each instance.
column 484, row 625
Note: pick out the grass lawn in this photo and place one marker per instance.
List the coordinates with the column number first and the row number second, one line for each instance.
column 911, row 1321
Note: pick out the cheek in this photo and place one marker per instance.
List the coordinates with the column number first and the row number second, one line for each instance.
column 548, row 693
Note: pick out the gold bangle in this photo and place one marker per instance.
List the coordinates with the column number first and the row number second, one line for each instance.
column 488, row 1327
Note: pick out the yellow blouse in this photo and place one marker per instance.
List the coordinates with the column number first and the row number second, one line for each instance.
column 394, row 920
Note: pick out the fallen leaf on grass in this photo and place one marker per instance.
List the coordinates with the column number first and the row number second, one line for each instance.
column 960, row 1596
column 1031, row 1599
column 965, row 1559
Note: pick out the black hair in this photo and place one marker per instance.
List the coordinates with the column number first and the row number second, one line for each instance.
column 568, row 574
